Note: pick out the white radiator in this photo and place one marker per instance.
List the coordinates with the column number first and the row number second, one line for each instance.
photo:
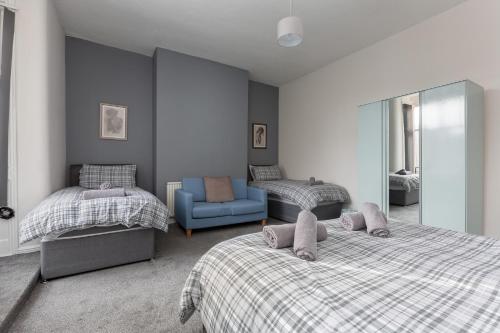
column 171, row 187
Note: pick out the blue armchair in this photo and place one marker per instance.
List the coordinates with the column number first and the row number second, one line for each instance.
column 193, row 212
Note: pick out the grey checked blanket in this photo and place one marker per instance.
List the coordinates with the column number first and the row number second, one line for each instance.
column 422, row 279
column 407, row 183
column 305, row 196
column 64, row 211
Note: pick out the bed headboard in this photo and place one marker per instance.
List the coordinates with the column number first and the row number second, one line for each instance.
column 74, row 172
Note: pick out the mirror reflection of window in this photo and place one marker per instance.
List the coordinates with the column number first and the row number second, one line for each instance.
column 416, row 139
column 404, row 158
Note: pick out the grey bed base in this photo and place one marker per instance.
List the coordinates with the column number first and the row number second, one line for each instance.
column 403, row 198
column 288, row 211
column 94, row 248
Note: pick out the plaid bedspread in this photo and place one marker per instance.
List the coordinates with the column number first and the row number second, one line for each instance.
column 422, row 279
column 407, row 183
column 64, row 211
column 305, row 196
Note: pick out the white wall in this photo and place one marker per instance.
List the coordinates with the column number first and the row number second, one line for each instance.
column 318, row 112
column 41, row 137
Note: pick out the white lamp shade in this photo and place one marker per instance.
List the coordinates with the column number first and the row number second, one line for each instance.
column 290, row 31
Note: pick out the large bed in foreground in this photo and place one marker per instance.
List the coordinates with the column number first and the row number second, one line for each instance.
column 422, row 279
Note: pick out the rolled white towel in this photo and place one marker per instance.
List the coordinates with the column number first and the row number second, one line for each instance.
column 353, row 221
column 105, row 186
column 305, row 243
column 375, row 219
column 111, row 193
column 282, row 235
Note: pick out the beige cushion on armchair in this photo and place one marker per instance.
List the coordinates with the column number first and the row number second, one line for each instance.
column 218, row 189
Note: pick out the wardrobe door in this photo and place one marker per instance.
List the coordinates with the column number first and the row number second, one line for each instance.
column 443, row 173
column 372, row 161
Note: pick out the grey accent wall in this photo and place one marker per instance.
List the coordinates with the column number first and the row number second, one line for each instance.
column 95, row 74
column 201, row 118
column 263, row 107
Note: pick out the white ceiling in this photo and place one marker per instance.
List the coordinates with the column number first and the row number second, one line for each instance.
column 242, row 33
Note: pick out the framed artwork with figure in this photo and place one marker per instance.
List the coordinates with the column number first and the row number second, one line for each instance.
column 113, row 122
column 259, row 136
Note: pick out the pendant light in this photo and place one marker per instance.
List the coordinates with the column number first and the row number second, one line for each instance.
column 290, row 30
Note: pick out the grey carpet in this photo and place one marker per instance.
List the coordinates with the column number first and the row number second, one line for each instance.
column 409, row 214
column 17, row 276
column 141, row 297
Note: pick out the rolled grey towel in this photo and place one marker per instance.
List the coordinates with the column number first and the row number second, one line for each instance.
column 95, row 194
column 105, row 186
column 280, row 236
column 375, row 219
column 353, row 221
column 312, row 181
column 305, row 244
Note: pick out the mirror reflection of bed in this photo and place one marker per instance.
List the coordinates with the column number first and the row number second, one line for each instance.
column 404, row 158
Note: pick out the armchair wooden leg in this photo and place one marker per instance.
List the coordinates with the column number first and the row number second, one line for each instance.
column 189, row 232
column 263, row 222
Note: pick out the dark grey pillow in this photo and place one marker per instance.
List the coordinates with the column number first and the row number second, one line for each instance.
column 263, row 173
column 92, row 176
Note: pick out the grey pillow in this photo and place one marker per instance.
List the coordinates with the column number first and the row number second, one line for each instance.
column 218, row 189
column 402, row 172
column 263, row 173
column 92, row 175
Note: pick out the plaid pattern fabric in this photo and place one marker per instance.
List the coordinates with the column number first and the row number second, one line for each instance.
column 302, row 194
column 92, row 176
column 262, row 173
column 404, row 182
column 422, row 279
column 65, row 211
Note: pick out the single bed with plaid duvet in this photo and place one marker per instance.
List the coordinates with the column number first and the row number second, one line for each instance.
column 65, row 211
column 303, row 195
column 422, row 279
column 407, row 183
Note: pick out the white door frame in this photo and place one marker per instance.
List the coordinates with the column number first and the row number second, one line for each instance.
column 12, row 178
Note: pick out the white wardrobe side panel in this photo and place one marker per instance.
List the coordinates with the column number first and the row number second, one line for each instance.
column 443, row 173
column 475, row 157
column 371, row 182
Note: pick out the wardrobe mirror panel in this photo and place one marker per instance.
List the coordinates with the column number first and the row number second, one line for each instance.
column 404, row 158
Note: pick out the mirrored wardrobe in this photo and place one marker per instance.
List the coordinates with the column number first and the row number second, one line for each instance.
column 420, row 156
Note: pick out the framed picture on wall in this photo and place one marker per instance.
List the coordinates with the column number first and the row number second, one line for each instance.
column 259, row 136
column 113, row 122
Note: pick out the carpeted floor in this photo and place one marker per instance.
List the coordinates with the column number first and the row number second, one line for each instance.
column 17, row 275
column 408, row 214
column 141, row 297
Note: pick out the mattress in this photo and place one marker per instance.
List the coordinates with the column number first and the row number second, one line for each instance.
column 422, row 279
